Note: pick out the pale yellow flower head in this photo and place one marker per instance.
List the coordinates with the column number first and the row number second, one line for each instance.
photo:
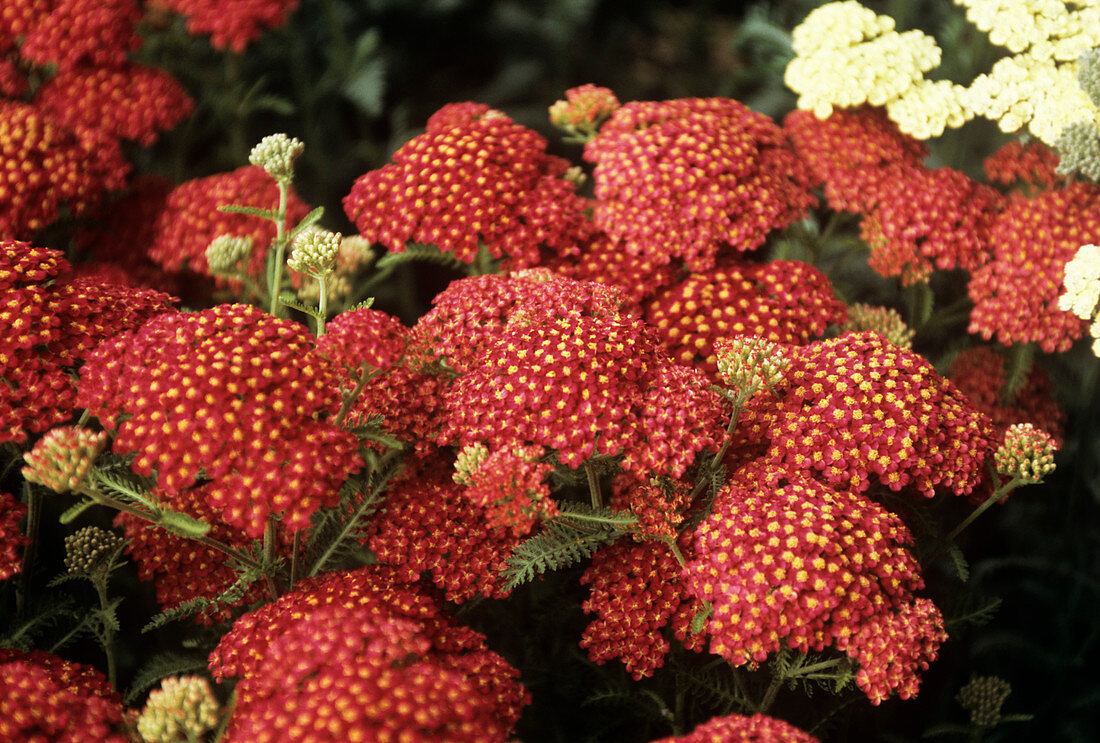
column 1082, row 280
column 925, row 109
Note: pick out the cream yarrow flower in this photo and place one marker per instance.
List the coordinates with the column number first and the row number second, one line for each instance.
column 1082, row 281
column 1027, row 453
column 276, row 154
column 227, row 255
column 846, row 56
column 926, row 108
column 88, row 550
column 62, row 459
column 315, row 252
column 182, row 709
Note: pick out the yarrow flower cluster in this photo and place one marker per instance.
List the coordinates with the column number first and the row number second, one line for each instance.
column 584, row 109
column 232, row 24
column 983, row 697
column 314, row 252
column 750, row 363
column 251, row 387
column 855, row 409
column 743, row 729
column 1082, row 296
column 1027, row 453
column 87, row 550
column 786, row 560
column 782, row 301
column 509, row 485
column 62, row 459
column 12, row 539
column 48, row 698
column 181, row 708
column 276, row 154
column 886, row 321
column 687, row 179
column 475, row 178
column 378, row 650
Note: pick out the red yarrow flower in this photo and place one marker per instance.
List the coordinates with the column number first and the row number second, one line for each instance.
column 12, row 539
column 129, row 101
column 785, row 560
column 362, row 656
column 856, row 409
column 232, row 24
column 77, row 33
column 509, row 486
column 757, row 728
column 233, row 395
column 691, row 178
column 782, row 301
column 474, row 178
column 1030, row 164
column 47, row 698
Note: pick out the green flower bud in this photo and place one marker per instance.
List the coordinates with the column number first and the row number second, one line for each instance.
column 276, row 154
column 750, row 363
column 1078, row 148
column 1088, row 74
column 63, row 457
column 314, row 252
column 885, row 321
column 87, row 550
column 182, row 709
column 227, row 254
column 468, row 461
column 1027, row 453
column 983, row 697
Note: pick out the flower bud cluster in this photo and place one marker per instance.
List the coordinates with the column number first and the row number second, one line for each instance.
column 749, row 363
column 227, row 255
column 183, row 708
column 276, row 154
column 315, row 252
column 63, row 457
column 584, row 108
column 885, row 321
column 87, row 550
column 1027, row 453
column 983, row 697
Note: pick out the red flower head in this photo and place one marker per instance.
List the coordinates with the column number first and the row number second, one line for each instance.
column 786, row 560
column 1028, row 164
column 53, row 322
column 44, row 166
column 12, row 539
column 127, row 102
column 235, row 395
column 47, row 698
column 1016, row 294
column 639, row 277
column 743, row 729
column 782, row 301
column 856, row 153
column 930, row 219
column 364, row 336
column 690, row 178
column 857, row 408
column 507, row 485
column 77, row 33
column 13, row 82
column 636, row 592
column 980, row 374
column 232, row 24
column 475, row 177
column 553, row 363
column 361, row 656
column 428, row 524
column 182, row 569
column 190, row 219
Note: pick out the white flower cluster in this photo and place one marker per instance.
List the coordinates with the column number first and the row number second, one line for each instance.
column 1082, row 295
column 276, row 154
column 315, row 252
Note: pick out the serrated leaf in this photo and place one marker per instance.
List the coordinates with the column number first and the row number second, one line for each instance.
column 307, row 221
column 420, row 252
column 183, row 525
column 947, row 728
column 366, row 304
column 250, row 211
column 559, row 545
column 230, row 595
column 366, row 88
column 159, row 667
column 958, row 561
column 74, row 511
column 274, row 103
column 294, row 304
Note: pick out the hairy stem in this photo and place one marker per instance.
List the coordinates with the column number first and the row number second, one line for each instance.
column 270, row 545
column 34, row 518
column 275, row 275
column 997, row 495
column 322, row 306
column 105, row 633
column 593, row 485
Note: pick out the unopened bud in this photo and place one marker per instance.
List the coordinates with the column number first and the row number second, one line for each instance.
column 227, row 254
column 585, row 108
column 749, row 363
column 1027, row 453
column 885, row 321
column 88, row 550
column 468, row 461
column 182, row 709
column 63, row 457
column 276, row 154
column 314, row 252
column 983, row 697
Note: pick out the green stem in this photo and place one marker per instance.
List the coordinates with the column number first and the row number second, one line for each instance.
column 738, row 403
column 770, row 694
column 322, row 306
column 275, row 275
column 921, row 300
column 34, row 518
column 350, row 397
column 106, row 634
column 593, row 485
column 824, row 665
column 270, row 545
column 996, row 496
column 743, row 687
column 294, row 557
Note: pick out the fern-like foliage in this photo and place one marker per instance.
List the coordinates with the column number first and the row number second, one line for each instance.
column 161, row 666
column 419, row 252
column 572, row 536
column 44, row 616
column 229, row 596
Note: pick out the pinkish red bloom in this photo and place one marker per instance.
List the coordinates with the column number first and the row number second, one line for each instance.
column 757, row 728
column 855, row 153
column 927, row 220
column 782, row 301
column 47, row 698
column 361, row 655
column 604, row 260
column 474, row 178
column 692, row 178
column 787, row 561
column 1016, row 293
column 509, row 487
column 856, row 409
column 232, row 24
column 128, row 101
column 235, row 396
column 46, row 166
column 585, row 105
column 78, row 33
column 1028, row 164
column 12, row 539
column 190, row 219
column 980, row 374
column 364, row 336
